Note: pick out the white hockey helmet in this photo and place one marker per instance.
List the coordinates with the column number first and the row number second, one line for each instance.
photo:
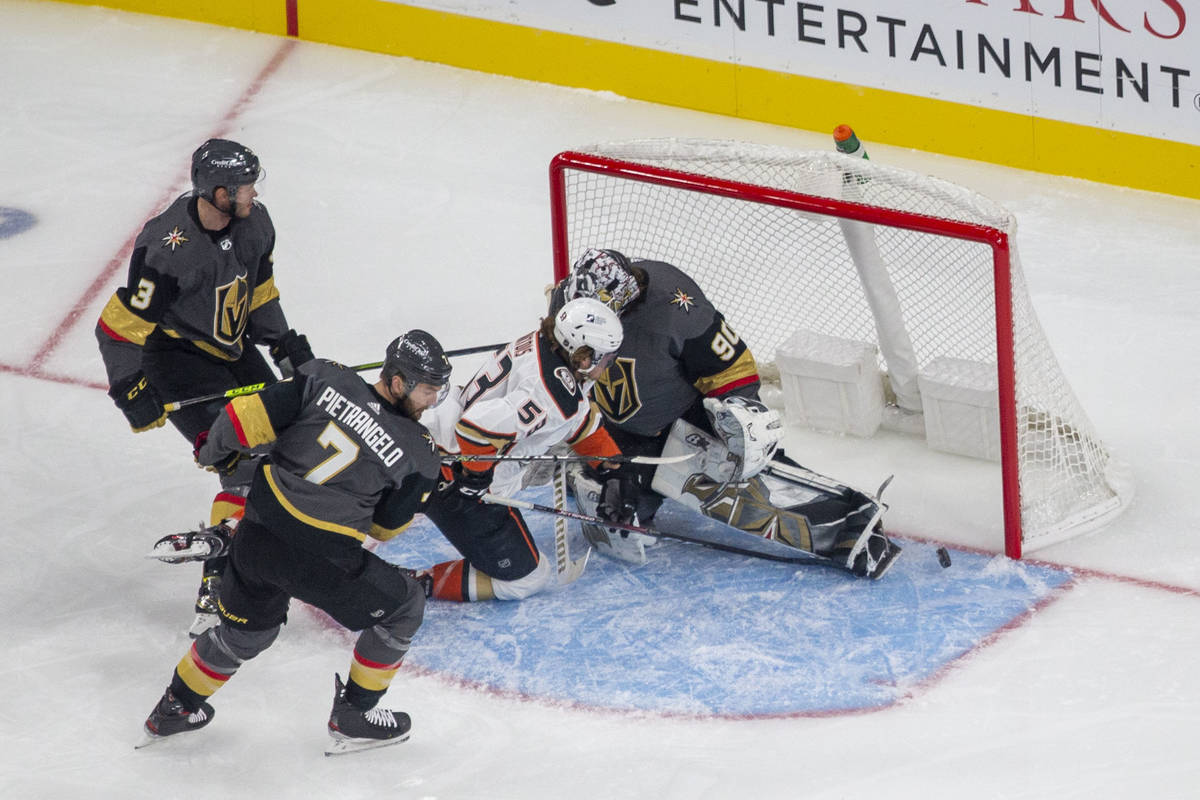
column 604, row 275
column 586, row 322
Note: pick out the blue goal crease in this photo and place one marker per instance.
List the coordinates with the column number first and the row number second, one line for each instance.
column 699, row 632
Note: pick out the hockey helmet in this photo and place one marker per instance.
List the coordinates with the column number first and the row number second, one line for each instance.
column 418, row 358
column 221, row 162
column 604, row 275
column 587, row 322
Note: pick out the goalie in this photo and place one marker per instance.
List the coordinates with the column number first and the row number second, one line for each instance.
column 684, row 381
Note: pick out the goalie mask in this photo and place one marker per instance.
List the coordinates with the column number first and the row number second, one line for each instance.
column 585, row 322
column 750, row 430
column 604, row 275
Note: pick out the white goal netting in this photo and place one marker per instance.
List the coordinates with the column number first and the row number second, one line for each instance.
column 778, row 238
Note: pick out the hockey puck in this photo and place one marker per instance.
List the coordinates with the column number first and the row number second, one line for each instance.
column 943, row 557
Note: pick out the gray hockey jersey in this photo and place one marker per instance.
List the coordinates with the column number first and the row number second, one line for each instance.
column 341, row 460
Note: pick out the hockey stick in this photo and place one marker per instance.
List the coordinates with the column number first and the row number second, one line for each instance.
column 801, row 556
column 254, row 388
column 568, row 570
column 450, row 458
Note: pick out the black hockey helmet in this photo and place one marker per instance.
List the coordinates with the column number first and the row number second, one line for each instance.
column 417, row 357
column 221, row 162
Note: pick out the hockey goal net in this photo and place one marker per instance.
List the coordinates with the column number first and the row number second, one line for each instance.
column 850, row 248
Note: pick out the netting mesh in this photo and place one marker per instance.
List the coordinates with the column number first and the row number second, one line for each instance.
column 772, row 270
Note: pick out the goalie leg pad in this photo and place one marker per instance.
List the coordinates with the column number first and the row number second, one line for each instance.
column 709, row 458
column 747, row 507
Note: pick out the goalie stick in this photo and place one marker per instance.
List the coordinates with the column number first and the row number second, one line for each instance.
column 254, row 388
column 781, row 555
column 800, row 557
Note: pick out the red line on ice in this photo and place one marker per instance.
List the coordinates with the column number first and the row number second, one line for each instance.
column 103, row 281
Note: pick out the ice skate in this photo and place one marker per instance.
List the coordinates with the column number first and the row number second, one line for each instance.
column 352, row 729
column 169, row 717
column 198, row 545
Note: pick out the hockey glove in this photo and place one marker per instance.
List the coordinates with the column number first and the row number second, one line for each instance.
column 138, row 402
column 290, row 352
column 618, row 497
column 470, row 483
column 226, row 465
column 749, row 429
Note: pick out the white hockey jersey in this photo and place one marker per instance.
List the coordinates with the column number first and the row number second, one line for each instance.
column 522, row 401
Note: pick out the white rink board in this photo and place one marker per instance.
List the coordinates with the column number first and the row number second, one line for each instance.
column 1124, row 65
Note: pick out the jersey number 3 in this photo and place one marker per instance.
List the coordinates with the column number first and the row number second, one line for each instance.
column 145, row 291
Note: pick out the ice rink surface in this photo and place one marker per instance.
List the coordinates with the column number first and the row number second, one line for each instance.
column 408, row 194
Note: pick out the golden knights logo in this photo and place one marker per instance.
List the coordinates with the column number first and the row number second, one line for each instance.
column 232, row 310
column 616, row 391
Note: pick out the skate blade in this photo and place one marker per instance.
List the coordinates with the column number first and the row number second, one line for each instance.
column 148, row 738
column 340, row 746
column 169, row 555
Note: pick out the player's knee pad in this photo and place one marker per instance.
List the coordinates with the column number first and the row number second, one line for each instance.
column 229, row 645
column 387, row 642
column 525, row 586
column 401, row 625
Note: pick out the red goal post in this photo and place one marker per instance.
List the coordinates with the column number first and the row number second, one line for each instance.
column 778, row 237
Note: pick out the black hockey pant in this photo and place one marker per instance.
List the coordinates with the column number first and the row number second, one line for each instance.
column 362, row 592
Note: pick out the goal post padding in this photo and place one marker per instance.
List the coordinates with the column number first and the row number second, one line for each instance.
column 925, row 269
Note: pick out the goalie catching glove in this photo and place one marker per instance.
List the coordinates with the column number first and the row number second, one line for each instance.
column 750, row 431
